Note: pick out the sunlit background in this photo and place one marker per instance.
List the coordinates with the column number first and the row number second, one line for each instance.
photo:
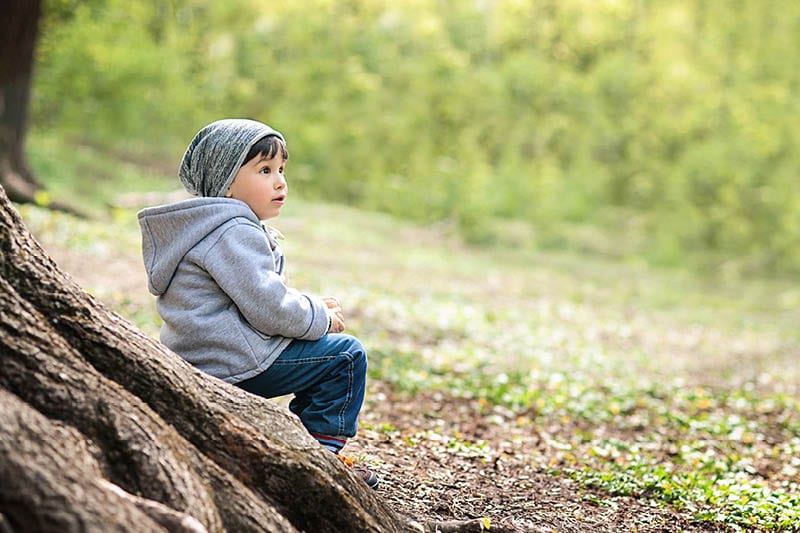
column 664, row 131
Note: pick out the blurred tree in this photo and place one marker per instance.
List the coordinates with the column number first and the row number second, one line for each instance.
column 19, row 26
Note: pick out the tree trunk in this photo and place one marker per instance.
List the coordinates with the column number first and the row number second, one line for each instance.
column 102, row 427
column 19, row 26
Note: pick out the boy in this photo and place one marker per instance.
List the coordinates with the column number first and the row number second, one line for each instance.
column 222, row 294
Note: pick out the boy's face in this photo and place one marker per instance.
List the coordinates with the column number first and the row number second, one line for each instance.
column 260, row 183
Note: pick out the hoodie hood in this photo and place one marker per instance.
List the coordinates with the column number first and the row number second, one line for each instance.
column 170, row 231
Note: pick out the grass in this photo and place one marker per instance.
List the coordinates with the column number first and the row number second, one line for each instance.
column 654, row 383
column 88, row 177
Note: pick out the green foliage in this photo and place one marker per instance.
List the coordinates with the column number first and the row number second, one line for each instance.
column 668, row 125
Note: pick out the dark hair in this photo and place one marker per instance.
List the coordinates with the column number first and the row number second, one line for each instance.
column 267, row 147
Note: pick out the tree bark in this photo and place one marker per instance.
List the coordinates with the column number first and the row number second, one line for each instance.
column 102, row 427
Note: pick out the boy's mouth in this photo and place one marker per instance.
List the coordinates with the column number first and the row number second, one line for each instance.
column 280, row 199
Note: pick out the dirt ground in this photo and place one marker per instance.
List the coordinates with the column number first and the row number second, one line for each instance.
column 427, row 481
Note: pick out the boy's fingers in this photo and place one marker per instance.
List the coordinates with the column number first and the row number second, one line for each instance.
column 337, row 326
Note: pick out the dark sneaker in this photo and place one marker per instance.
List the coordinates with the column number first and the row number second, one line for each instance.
column 367, row 475
column 361, row 471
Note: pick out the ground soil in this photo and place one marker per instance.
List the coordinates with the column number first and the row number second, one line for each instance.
column 427, row 481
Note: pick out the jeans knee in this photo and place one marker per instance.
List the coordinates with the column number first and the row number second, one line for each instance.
column 358, row 356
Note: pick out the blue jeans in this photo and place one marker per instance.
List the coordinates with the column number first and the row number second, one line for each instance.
column 327, row 377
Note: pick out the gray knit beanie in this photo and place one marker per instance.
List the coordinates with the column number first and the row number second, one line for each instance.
column 217, row 152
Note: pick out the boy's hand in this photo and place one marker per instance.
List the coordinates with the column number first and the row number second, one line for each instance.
column 335, row 314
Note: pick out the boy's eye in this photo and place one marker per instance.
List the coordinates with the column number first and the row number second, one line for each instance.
column 265, row 170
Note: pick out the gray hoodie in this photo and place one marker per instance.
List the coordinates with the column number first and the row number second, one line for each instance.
column 218, row 278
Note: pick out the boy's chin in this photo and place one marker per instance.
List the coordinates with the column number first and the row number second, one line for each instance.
column 268, row 216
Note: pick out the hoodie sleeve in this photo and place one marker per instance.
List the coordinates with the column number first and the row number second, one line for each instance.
column 241, row 263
